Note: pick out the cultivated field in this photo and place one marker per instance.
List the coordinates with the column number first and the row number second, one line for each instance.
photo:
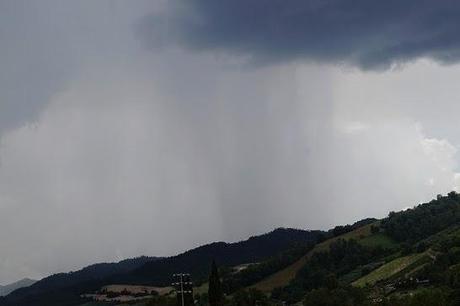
column 393, row 268
column 283, row 277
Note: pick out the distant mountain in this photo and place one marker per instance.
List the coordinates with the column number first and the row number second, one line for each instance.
column 59, row 283
column 25, row 282
column 65, row 288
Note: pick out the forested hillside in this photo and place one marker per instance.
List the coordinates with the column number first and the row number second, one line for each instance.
column 63, row 285
column 197, row 261
column 424, row 220
column 66, row 288
column 411, row 257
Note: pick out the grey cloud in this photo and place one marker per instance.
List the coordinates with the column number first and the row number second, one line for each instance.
column 369, row 34
column 45, row 44
column 140, row 152
column 33, row 63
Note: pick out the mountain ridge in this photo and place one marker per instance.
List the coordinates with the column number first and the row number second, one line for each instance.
column 63, row 287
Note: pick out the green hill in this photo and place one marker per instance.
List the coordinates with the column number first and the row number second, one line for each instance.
column 362, row 234
column 66, row 288
column 400, row 265
column 408, row 251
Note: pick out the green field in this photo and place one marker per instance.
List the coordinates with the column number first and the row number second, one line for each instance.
column 392, row 268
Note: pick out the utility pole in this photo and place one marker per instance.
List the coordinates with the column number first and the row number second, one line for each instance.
column 184, row 288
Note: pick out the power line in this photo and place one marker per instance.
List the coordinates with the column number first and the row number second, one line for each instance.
column 184, row 288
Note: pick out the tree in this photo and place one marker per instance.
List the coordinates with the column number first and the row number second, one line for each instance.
column 215, row 294
column 375, row 229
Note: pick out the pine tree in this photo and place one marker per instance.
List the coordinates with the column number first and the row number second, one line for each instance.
column 215, row 295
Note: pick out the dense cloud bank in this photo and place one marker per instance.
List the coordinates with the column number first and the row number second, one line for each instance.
column 369, row 34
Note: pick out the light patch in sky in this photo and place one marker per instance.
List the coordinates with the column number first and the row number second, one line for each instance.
column 355, row 127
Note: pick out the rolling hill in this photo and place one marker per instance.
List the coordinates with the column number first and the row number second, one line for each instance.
column 411, row 255
column 66, row 288
column 197, row 261
column 284, row 277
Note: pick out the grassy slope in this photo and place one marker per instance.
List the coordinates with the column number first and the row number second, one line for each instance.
column 408, row 264
column 396, row 266
column 377, row 240
column 283, row 277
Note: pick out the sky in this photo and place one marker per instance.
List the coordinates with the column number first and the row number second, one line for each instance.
column 133, row 128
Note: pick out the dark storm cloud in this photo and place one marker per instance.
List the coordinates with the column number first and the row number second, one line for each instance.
column 367, row 33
